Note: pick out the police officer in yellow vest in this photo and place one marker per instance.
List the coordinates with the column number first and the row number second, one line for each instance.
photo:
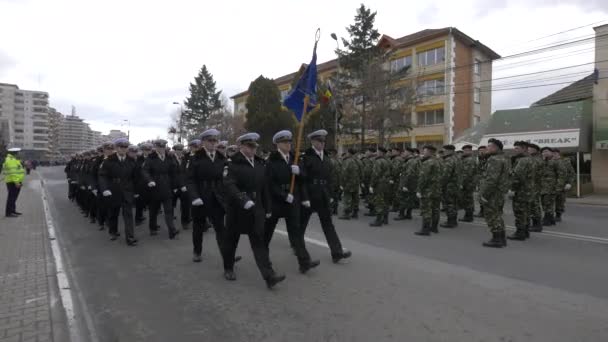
column 13, row 173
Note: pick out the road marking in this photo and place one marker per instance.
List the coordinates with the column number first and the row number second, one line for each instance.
column 65, row 290
column 307, row 239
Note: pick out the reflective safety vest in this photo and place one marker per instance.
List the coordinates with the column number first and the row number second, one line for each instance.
column 13, row 170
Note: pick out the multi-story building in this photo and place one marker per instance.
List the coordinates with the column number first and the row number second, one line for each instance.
column 116, row 134
column 450, row 72
column 73, row 135
column 55, row 119
column 25, row 113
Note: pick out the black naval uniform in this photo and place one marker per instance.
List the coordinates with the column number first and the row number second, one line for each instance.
column 118, row 175
column 184, row 198
column 204, row 180
column 316, row 174
column 244, row 182
column 142, row 191
column 278, row 176
column 161, row 172
column 71, row 171
column 100, row 202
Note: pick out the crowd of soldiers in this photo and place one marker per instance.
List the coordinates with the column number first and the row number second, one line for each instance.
column 229, row 188
column 535, row 179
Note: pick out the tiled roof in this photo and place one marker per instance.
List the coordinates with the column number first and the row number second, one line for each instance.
column 579, row 90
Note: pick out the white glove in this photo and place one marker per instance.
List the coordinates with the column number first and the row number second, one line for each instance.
column 90, row 187
column 371, row 190
column 151, row 185
column 483, row 200
column 391, row 181
column 511, row 194
column 82, row 187
column 404, row 189
column 73, row 182
column 136, row 196
column 306, row 204
column 268, row 215
column 331, row 201
column 419, row 195
column 248, row 205
column 567, row 187
column 289, row 198
column 107, row 193
column 184, row 189
column 69, row 180
column 295, row 169
column 197, row 202
column 341, row 188
column 94, row 191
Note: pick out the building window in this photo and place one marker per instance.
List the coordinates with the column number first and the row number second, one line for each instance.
column 431, row 57
column 400, row 63
column 18, row 130
column 19, row 108
column 477, row 95
column 39, row 124
column 39, row 131
column 19, row 101
column 40, row 110
column 40, row 138
column 18, row 94
column 477, row 67
column 431, row 87
column 430, row 117
column 18, row 123
column 39, row 145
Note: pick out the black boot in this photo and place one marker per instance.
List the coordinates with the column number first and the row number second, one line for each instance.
column 408, row 215
column 385, row 219
column 552, row 220
column 546, row 220
column 536, row 226
column 274, row 279
column 435, row 225
column 519, row 235
column 305, row 266
column 345, row 216
column 503, row 238
column 378, row 221
column 450, row 223
column 495, row 241
column 370, row 213
column 425, row 231
column 558, row 217
column 355, row 214
column 468, row 217
column 401, row 216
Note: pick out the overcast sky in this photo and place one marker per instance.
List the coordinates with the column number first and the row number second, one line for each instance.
column 129, row 60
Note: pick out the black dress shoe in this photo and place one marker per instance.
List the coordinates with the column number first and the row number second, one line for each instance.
column 308, row 266
column 131, row 242
column 345, row 255
column 153, row 232
column 12, row 215
column 229, row 275
column 197, row 258
column 113, row 237
column 238, row 258
column 17, row 213
column 273, row 280
column 173, row 234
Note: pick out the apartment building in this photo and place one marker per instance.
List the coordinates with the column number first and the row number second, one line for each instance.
column 450, row 72
column 73, row 135
column 25, row 115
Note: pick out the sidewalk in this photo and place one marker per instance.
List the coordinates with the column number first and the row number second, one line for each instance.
column 29, row 307
column 593, row 199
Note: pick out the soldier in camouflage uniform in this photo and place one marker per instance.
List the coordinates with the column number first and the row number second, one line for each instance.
column 429, row 190
column 396, row 165
column 357, row 158
column 535, row 178
column 408, row 181
column 493, row 186
column 552, row 182
column 336, row 181
column 351, row 180
column 451, row 185
column 469, row 183
column 380, row 188
column 521, row 191
column 569, row 175
column 481, row 166
column 368, row 169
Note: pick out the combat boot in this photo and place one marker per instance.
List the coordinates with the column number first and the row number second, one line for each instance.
column 401, row 216
column 494, row 242
column 435, row 225
column 558, row 217
column 385, row 219
column 408, row 214
column 355, row 214
column 370, row 213
column 274, row 279
column 503, row 238
column 450, row 223
column 519, row 235
column 546, row 220
column 468, row 217
column 378, row 222
column 425, row 231
column 536, row 226
column 345, row 216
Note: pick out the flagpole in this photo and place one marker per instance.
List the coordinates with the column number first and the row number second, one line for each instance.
column 298, row 143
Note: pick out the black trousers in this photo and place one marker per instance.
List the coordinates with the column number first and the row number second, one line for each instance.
column 167, row 212
column 326, row 224
column 200, row 215
column 184, row 205
column 258, row 247
column 11, row 199
column 102, row 209
column 93, row 202
column 127, row 216
column 294, row 233
column 140, row 204
column 72, row 189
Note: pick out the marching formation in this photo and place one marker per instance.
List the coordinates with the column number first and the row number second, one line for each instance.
column 229, row 188
column 237, row 192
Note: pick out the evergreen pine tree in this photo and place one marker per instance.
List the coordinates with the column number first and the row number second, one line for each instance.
column 204, row 100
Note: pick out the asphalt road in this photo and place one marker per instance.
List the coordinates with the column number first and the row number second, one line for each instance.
column 396, row 287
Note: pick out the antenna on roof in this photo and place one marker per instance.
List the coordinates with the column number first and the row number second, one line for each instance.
column 73, row 111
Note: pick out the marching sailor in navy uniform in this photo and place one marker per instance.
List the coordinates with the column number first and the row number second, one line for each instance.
column 204, row 176
column 117, row 177
column 181, row 192
column 316, row 171
column 280, row 167
column 247, row 207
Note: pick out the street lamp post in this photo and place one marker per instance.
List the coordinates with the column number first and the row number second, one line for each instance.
column 179, row 124
column 128, row 128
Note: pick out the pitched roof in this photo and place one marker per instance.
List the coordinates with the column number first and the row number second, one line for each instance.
column 579, row 90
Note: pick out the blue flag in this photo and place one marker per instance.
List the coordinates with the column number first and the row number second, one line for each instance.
column 307, row 85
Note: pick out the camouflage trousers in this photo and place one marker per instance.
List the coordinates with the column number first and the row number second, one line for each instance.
column 391, row 196
column 350, row 200
column 560, row 202
column 406, row 200
column 521, row 209
column 467, row 200
column 450, row 203
column 535, row 212
column 381, row 200
column 548, row 202
column 492, row 211
column 429, row 209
